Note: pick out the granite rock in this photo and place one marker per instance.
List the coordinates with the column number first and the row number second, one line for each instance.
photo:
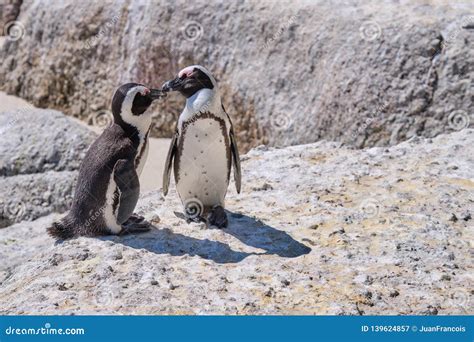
column 318, row 229
column 370, row 73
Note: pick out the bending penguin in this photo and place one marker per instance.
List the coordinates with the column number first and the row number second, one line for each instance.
column 203, row 148
column 107, row 187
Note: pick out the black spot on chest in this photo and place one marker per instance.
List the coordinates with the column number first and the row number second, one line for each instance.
column 221, row 124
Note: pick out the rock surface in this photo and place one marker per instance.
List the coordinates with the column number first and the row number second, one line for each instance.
column 27, row 197
column 40, row 154
column 37, row 140
column 318, row 229
column 291, row 72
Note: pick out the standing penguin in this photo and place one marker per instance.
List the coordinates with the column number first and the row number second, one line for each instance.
column 107, row 188
column 203, row 148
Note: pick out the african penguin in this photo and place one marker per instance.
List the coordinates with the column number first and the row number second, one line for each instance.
column 203, row 148
column 107, row 187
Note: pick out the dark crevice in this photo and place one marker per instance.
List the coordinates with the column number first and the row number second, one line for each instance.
column 432, row 78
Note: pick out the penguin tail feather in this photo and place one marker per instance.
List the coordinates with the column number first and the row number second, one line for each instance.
column 64, row 229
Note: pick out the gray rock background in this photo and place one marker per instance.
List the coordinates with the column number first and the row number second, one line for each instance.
column 40, row 154
column 318, row 229
column 321, row 228
column 366, row 73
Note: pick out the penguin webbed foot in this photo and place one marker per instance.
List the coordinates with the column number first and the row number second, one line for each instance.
column 217, row 217
column 135, row 224
column 134, row 218
column 197, row 219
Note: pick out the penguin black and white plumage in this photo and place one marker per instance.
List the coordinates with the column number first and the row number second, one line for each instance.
column 203, row 148
column 107, row 187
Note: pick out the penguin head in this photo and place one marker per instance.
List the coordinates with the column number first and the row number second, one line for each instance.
column 130, row 104
column 190, row 80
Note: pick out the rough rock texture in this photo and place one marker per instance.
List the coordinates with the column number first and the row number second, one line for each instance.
column 39, row 155
column 27, row 197
column 366, row 74
column 36, row 140
column 318, row 229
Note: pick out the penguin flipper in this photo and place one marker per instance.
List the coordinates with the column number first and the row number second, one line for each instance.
column 169, row 163
column 126, row 178
column 235, row 161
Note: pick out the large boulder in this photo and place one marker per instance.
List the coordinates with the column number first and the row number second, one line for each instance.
column 366, row 74
column 37, row 140
column 317, row 229
column 27, row 197
column 40, row 154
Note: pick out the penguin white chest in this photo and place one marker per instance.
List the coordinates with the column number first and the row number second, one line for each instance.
column 203, row 162
column 111, row 204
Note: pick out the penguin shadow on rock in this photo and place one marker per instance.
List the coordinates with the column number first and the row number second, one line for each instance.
column 248, row 230
column 253, row 232
column 165, row 241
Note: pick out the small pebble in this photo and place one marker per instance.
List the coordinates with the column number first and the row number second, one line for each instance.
column 394, row 293
column 453, row 218
column 445, row 277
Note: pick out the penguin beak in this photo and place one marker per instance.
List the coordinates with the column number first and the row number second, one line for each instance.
column 156, row 94
column 173, row 85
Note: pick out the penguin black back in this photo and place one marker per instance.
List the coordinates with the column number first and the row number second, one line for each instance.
column 97, row 198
